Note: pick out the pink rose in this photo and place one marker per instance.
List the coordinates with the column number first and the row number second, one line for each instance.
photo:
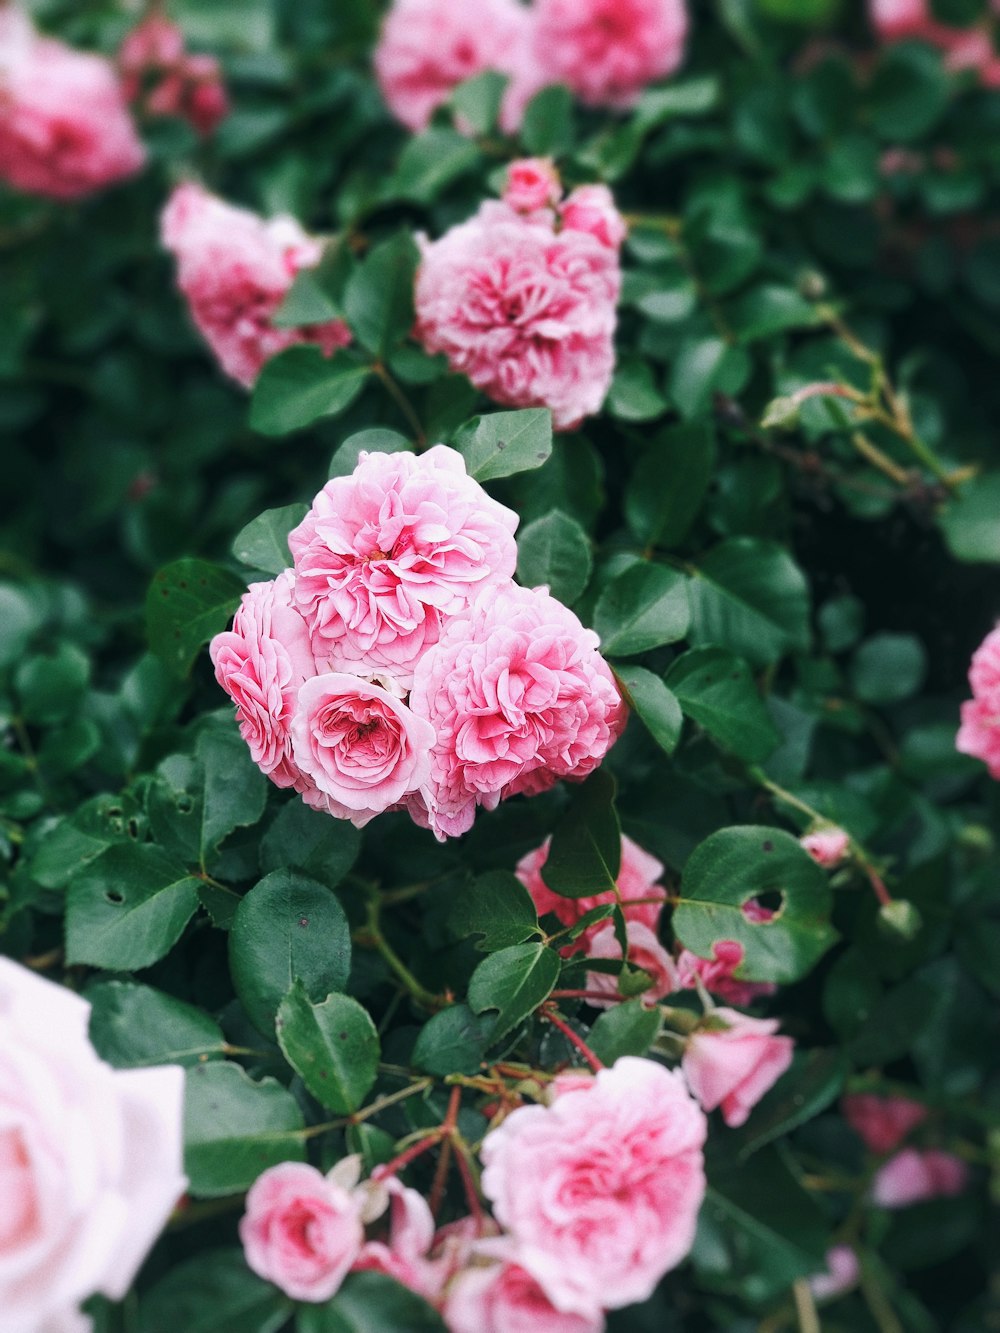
column 895, row 19
column 528, row 314
column 642, row 897
column 979, row 734
column 406, row 1254
column 518, row 697
column 964, row 48
column 65, row 130
column 591, row 209
column 913, row 1176
column 718, row 973
column 205, row 103
column 842, row 1273
column 827, row 846
column 301, row 1230
column 361, row 747
column 90, row 1158
column 505, row 1298
column 882, row 1122
column 532, row 183
column 734, row 1066
column 387, row 554
column 600, row 1191
column 644, row 950
column 155, row 43
column 235, row 270
column 152, row 57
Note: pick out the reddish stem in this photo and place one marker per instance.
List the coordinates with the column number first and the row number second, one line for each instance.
column 881, row 892
column 404, row 1159
column 591, row 1059
column 603, row 996
column 471, row 1193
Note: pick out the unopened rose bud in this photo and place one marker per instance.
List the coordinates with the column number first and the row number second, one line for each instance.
column 900, row 919
column 827, row 846
column 812, row 285
column 781, row 414
column 532, row 183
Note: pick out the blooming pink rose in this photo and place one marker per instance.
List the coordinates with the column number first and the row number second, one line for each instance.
column 260, row 663
column 979, row 734
column 528, row 314
column 642, row 897
column 532, row 183
column 591, row 209
column 913, row 1176
column 235, row 270
column 600, row 1191
column 90, row 1158
column 518, row 697
column 363, row 749
column 842, row 1273
column 644, row 950
column 827, row 846
column 505, row 1298
column 301, row 1230
column 387, row 554
column 406, row 1254
column 882, row 1122
column 65, row 130
column 718, row 974
column 734, row 1066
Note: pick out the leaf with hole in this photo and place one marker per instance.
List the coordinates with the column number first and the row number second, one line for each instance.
column 515, row 982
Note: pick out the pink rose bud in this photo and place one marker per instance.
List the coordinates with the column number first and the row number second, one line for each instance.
column 979, row 734
column 842, row 1273
column 532, row 183
column 827, row 847
column 591, row 209
column 734, row 1066
column 301, row 1230
column 882, row 1122
column 505, row 1298
column 206, row 103
column 913, row 1176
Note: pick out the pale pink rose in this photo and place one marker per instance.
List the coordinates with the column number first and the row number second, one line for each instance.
column 895, row 19
column 591, row 209
column 428, row 47
column 388, row 554
column 528, row 314
column 362, row 748
column 718, row 973
column 260, row 663
column 600, row 1191
column 405, row 1256
column 505, row 1298
column 827, row 846
column 65, row 129
column 642, row 897
column 732, row 1067
column 235, row 269
column 532, row 183
column 979, row 734
column 518, row 696
column 301, row 1230
column 205, row 103
column 154, row 44
column 882, row 1122
column 90, row 1158
column 644, row 950
column 913, row 1176
column 842, row 1273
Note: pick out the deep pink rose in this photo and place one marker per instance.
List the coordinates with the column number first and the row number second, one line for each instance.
column 827, row 846
column 732, row 1067
column 591, row 209
column 532, row 183
column 642, row 897
column 505, row 1298
column 882, row 1122
column 528, row 314
column 235, row 270
column 387, row 554
column 644, row 950
column 90, row 1158
column 913, row 1176
column 718, row 974
column 518, row 697
column 600, row 1191
column 842, row 1273
column 170, row 82
column 301, row 1230
column 65, row 129
column 979, row 734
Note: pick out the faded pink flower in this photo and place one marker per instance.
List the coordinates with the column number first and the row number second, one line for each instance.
column 827, row 846
column 882, row 1122
column 405, row 1256
column 913, row 1176
column 532, row 183
column 642, row 897
column 600, row 1191
column 518, row 696
column 301, row 1230
column 65, row 130
column 591, row 209
column 505, row 1298
column 528, row 314
column 644, row 950
column 979, row 734
column 733, row 1066
column 362, row 748
column 154, row 62
column 387, row 554
column 261, row 663
column 235, row 270
column 90, row 1158
column 842, row 1273
column 718, row 974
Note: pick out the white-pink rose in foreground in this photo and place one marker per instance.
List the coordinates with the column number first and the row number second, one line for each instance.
column 979, row 734
column 842, row 1273
column 504, row 1298
column 235, row 269
column 90, row 1158
column 642, row 896
column 827, row 846
column 65, row 129
column 600, row 1191
column 733, row 1066
column 913, row 1176
column 882, row 1122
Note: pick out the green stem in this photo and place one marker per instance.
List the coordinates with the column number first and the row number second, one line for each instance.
column 417, row 990
column 402, row 402
column 366, row 1112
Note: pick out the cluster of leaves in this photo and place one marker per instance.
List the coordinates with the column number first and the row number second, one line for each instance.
column 783, row 526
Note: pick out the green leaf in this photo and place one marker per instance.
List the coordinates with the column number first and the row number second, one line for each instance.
column 716, row 689
column 888, row 668
column 375, row 440
column 909, row 92
column 642, row 608
column 496, row 907
column 704, row 366
column 378, row 301
column 235, row 1128
column 585, row 853
column 333, row 1047
column 301, row 384
column 514, row 981
column 506, row 442
column 547, row 128
column 132, row 1026
column 370, row 1303
column 310, row 841
column 633, row 395
column 453, row 1041
column 187, row 603
column 625, row 1029
column 429, row 163
column 769, row 309
column 51, row 684
column 128, row 908
column 736, row 865
column 476, row 101
column 213, row 1293
column 235, row 791
column 287, row 927
column 308, row 301
column 263, row 543
column 969, row 522
column 555, row 551
column 669, row 484
column 814, row 1080
column 749, row 595
column 656, row 705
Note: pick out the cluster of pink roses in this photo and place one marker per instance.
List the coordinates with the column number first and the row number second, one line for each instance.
column 398, row 666
column 169, row 80
column 964, row 48
column 606, row 51
column 979, row 734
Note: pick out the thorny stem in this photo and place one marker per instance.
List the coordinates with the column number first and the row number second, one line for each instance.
column 448, row 1128
column 424, row 1144
column 402, row 402
column 549, row 1013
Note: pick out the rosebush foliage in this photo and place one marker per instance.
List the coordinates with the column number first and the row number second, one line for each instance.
column 784, row 525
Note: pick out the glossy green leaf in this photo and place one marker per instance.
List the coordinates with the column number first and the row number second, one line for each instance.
column 716, row 690
column 585, row 853
column 301, row 384
column 378, row 302
column 642, row 608
column 969, row 521
column 453, row 1041
column 187, row 603
column 624, row 1029
column 299, row 838
column 370, row 1303
column 654, row 703
column 263, row 543
column 132, row 1026
column 750, row 596
column 332, row 1046
column 669, row 483
column 555, row 551
column 506, row 442
column 497, row 908
column 214, row 1292
column 515, row 982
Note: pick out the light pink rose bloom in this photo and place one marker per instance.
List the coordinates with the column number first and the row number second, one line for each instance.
column 90, row 1158
column 641, row 895
column 386, row 555
column 65, row 129
column 718, row 974
column 405, row 1256
column 532, row 183
column 528, row 314
column 235, row 269
column 505, row 1298
column 882, row 1122
column 827, row 846
column 518, row 696
column 979, row 734
column 600, row 1191
column 842, row 1273
column 644, row 950
column 913, row 1176
column 301, row 1230
column 591, row 209
column 734, row 1066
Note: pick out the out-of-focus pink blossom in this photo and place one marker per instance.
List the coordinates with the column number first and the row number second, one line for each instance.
column 717, row 974
column 827, row 846
column 963, row 48
column 405, row 1255
column 168, row 81
column 733, row 1066
column 591, row 209
column 979, row 734
column 505, row 1298
column 913, row 1176
column 644, row 950
column 882, row 1122
column 532, row 183
column 842, row 1273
